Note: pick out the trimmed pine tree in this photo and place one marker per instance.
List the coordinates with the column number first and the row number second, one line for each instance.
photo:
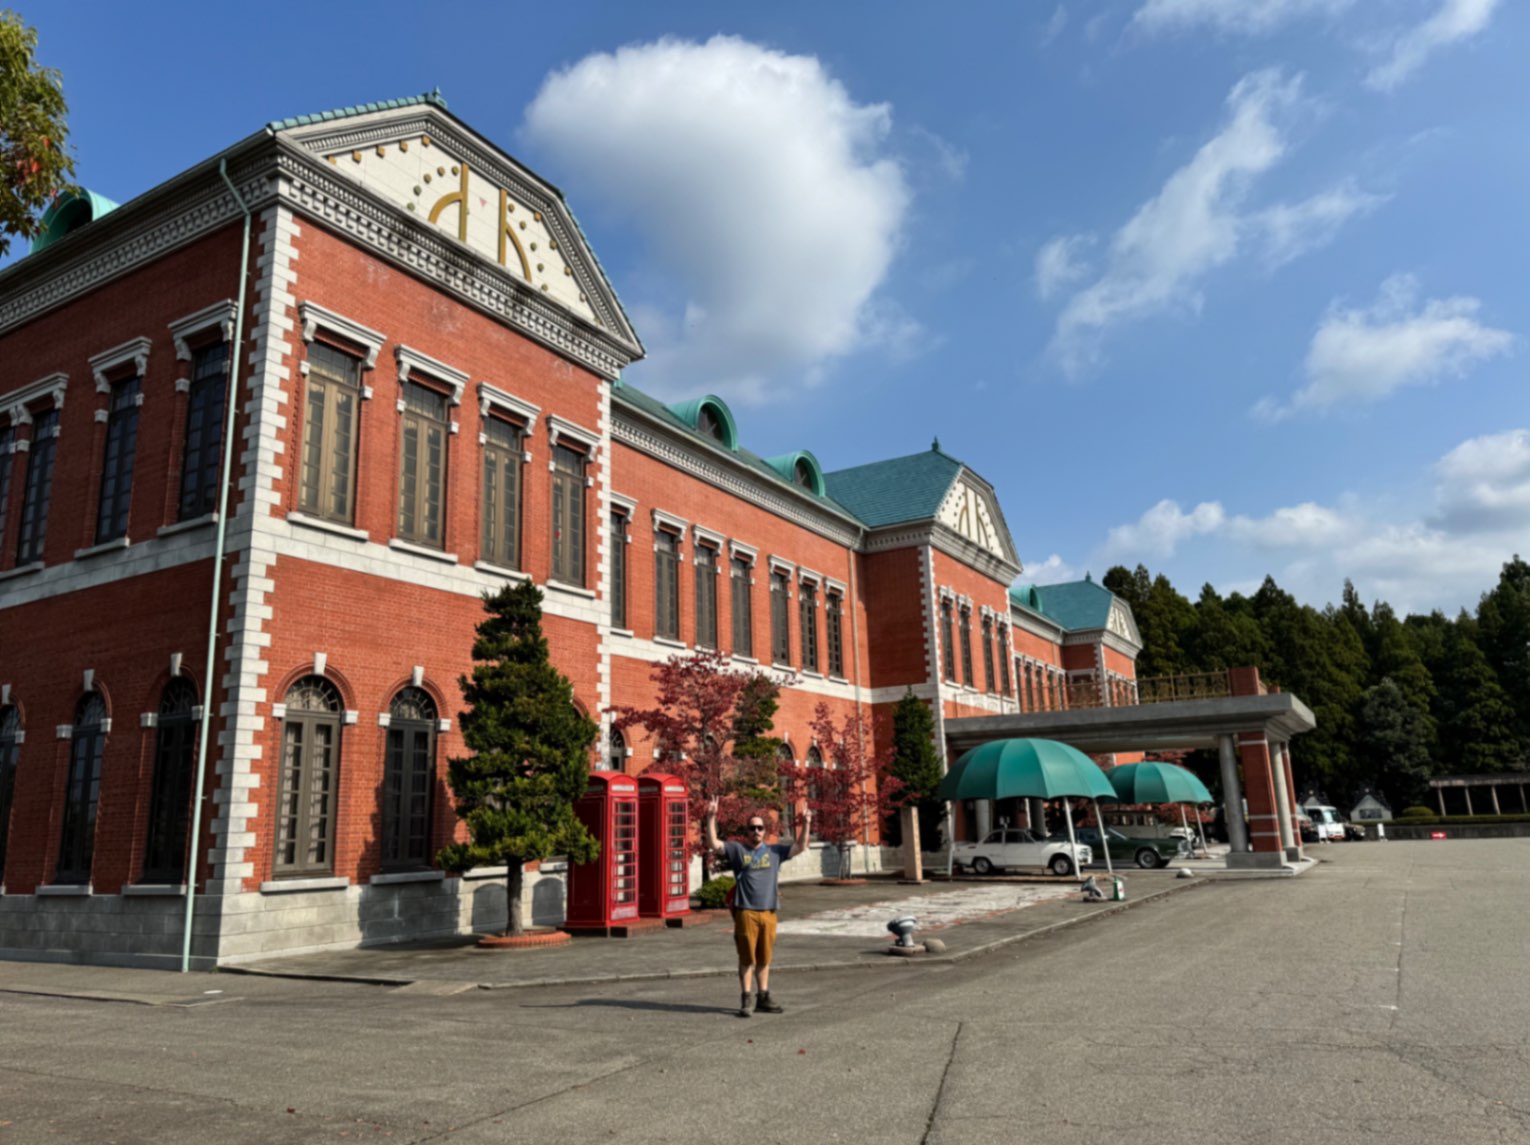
column 531, row 751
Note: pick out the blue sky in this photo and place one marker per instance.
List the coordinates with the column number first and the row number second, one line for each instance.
column 1227, row 287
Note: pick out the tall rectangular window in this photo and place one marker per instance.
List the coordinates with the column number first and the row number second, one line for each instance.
column 743, row 607
column 502, row 457
column 117, row 463
column 568, row 515
column 1004, row 659
column 201, row 456
column 833, row 630
column 38, row 490
column 666, row 585
column 966, row 646
column 807, row 603
column 422, row 465
column 947, row 640
column 82, row 791
column 7, row 463
column 988, row 653
column 330, row 417
column 618, row 545
column 706, row 597
column 780, row 618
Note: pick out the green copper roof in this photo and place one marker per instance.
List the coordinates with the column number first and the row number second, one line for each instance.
column 1077, row 605
column 626, row 392
column 900, row 489
column 431, row 97
column 68, row 212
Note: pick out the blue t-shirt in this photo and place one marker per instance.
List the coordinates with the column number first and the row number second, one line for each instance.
column 756, row 874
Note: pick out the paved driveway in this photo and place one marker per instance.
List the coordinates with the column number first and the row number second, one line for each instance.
column 1383, row 997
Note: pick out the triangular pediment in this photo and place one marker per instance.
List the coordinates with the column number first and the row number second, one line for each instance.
column 427, row 164
column 971, row 510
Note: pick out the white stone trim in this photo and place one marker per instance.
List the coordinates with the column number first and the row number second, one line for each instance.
column 395, row 877
column 572, row 589
column 313, row 316
column 291, row 886
column 64, row 890
column 115, row 545
column 837, row 587
column 782, row 565
column 16, row 401
column 714, row 541
column 808, row 576
column 669, row 523
column 492, row 397
column 620, row 504
column 401, row 546
column 219, row 314
column 155, row 890
column 584, row 439
column 501, row 571
column 748, row 552
column 410, row 360
column 134, row 350
column 305, row 521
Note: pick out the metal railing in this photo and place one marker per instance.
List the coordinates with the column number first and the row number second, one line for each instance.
column 1196, row 686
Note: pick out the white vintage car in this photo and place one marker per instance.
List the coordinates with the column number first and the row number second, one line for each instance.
column 1018, row 847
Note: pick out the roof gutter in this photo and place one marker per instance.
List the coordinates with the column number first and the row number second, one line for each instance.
column 209, row 678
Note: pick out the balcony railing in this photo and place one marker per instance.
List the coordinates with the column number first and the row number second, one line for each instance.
column 1197, row 686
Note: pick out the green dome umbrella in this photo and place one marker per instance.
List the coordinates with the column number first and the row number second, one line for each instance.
column 1031, row 769
column 1160, row 783
column 1156, row 783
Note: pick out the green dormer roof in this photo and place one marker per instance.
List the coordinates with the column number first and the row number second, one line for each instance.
column 900, row 489
column 1078, row 605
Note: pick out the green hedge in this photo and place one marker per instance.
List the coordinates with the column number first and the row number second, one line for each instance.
column 713, row 893
column 1446, row 820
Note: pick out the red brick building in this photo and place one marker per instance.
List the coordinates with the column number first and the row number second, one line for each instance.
column 428, row 403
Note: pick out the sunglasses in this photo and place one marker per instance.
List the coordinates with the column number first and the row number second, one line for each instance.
column 757, row 826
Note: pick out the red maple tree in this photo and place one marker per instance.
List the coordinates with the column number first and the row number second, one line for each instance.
column 709, row 727
column 854, row 792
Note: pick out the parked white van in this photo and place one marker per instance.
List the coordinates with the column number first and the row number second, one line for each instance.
column 1330, row 828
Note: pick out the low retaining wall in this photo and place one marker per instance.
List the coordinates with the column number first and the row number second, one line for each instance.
column 1458, row 830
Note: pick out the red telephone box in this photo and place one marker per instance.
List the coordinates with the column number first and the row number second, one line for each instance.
column 603, row 895
column 664, row 885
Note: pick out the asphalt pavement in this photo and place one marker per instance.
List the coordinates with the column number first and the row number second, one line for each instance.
column 1380, row 997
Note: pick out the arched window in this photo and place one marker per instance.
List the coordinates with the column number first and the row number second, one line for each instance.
column 616, row 752
column 175, row 750
column 10, row 748
column 814, row 785
column 409, row 775
column 310, row 772
column 708, row 424
column 82, row 790
column 787, row 762
column 802, row 473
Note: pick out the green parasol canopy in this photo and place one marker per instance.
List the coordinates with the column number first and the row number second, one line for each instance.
column 1156, row 783
column 1027, row 768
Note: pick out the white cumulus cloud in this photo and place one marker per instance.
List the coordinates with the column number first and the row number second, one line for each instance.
column 1453, row 21
column 1197, row 222
column 1307, row 525
column 1484, row 484
column 1053, row 570
column 1362, row 355
column 1291, row 230
column 1241, row 17
column 1059, row 264
column 760, row 187
column 1161, row 530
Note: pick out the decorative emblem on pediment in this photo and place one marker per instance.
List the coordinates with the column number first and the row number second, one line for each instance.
column 966, row 510
column 427, row 177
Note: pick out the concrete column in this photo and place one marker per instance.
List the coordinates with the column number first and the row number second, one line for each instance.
column 1232, row 794
column 1467, row 791
column 1496, row 809
column 984, row 809
column 1288, row 839
column 1523, row 806
column 1036, row 815
column 1440, row 791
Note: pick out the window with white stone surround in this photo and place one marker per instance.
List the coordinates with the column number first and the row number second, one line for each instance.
column 338, row 351
column 310, row 771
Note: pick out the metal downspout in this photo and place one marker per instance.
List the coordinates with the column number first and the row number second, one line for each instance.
column 855, row 650
column 226, row 473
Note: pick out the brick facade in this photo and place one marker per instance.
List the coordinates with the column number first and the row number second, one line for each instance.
column 350, row 601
